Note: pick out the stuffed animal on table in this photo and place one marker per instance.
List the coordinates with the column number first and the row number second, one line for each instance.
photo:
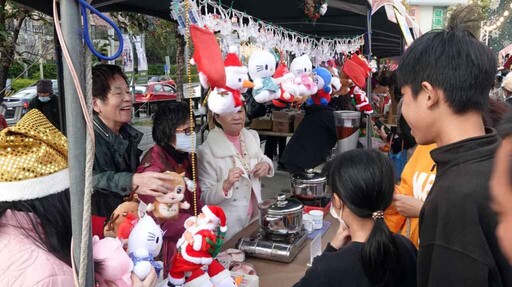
column 111, row 263
column 198, row 247
column 323, row 82
column 357, row 76
column 302, row 68
column 262, row 65
column 144, row 244
column 167, row 206
column 122, row 218
column 228, row 99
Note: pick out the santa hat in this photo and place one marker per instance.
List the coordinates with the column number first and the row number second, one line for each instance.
column 355, row 73
column 33, row 159
column 361, row 63
column 281, row 70
column 207, row 56
column 232, row 62
column 217, row 215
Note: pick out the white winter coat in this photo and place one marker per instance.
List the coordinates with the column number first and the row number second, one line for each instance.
column 216, row 156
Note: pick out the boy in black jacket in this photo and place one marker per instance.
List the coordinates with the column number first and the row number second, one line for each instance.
column 445, row 78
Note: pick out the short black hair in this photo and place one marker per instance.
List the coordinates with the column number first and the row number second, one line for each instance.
column 452, row 60
column 167, row 119
column 102, row 74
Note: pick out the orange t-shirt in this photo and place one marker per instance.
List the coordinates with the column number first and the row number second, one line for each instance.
column 417, row 178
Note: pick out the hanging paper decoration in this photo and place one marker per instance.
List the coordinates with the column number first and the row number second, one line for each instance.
column 235, row 27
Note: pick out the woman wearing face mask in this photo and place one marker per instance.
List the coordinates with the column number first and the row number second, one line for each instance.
column 173, row 144
column 363, row 252
column 231, row 165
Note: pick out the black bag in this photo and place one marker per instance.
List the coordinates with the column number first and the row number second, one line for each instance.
column 253, row 108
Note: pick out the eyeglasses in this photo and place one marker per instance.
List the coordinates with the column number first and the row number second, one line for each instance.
column 188, row 131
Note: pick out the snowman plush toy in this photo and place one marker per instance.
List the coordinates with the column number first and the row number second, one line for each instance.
column 228, row 99
column 323, row 82
column 262, row 65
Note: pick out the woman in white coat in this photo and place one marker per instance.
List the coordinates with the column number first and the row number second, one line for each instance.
column 231, row 165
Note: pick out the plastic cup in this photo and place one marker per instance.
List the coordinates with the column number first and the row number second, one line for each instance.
column 318, row 218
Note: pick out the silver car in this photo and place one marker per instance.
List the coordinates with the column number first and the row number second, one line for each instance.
column 16, row 106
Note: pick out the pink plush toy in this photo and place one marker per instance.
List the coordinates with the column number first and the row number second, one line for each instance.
column 111, row 263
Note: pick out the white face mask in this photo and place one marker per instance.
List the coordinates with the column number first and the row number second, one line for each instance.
column 44, row 99
column 184, row 142
column 338, row 217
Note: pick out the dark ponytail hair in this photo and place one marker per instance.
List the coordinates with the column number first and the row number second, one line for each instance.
column 364, row 181
column 51, row 224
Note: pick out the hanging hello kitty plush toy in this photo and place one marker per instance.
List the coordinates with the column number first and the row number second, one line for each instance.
column 262, row 65
column 144, row 244
column 302, row 67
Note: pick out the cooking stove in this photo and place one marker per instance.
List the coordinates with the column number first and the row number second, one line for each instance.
column 281, row 248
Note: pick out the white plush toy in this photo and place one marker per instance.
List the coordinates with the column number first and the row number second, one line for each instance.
column 262, row 65
column 302, row 67
column 229, row 98
column 144, row 244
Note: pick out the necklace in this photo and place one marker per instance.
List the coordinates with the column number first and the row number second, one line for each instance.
column 242, row 157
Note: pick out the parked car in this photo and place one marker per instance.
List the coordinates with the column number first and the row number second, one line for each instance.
column 162, row 79
column 148, row 97
column 16, row 106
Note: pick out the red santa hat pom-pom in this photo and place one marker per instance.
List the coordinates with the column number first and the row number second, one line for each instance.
column 217, row 215
column 232, row 62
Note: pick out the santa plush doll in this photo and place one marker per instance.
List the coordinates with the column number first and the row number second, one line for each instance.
column 197, row 249
column 357, row 76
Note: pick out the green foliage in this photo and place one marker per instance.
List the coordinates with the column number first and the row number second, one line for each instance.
column 49, row 69
column 22, row 83
column 161, row 42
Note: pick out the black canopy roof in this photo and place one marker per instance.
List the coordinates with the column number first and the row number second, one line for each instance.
column 343, row 18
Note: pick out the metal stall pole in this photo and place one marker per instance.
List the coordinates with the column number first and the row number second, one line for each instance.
column 60, row 82
column 75, row 126
column 369, row 82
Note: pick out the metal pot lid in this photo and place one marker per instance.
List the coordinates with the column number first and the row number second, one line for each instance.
column 308, row 177
column 281, row 205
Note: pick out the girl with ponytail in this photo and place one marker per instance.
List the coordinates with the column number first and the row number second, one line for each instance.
column 364, row 252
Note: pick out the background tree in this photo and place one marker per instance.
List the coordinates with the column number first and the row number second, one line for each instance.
column 12, row 16
column 161, row 42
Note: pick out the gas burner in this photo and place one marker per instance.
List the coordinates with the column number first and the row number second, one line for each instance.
column 273, row 247
column 318, row 202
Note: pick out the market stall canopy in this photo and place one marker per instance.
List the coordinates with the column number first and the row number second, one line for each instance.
column 343, row 18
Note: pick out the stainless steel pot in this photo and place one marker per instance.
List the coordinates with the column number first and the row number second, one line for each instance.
column 281, row 215
column 309, row 185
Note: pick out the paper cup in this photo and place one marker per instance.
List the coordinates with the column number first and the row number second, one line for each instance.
column 307, row 221
column 318, row 218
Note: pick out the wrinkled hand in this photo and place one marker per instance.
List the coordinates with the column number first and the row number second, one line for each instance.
column 407, row 206
column 234, row 175
column 342, row 237
column 261, row 169
column 150, row 281
column 383, row 135
column 151, row 183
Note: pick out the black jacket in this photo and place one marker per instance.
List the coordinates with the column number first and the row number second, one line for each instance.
column 115, row 161
column 313, row 140
column 344, row 268
column 458, row 245
column 49, row 109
